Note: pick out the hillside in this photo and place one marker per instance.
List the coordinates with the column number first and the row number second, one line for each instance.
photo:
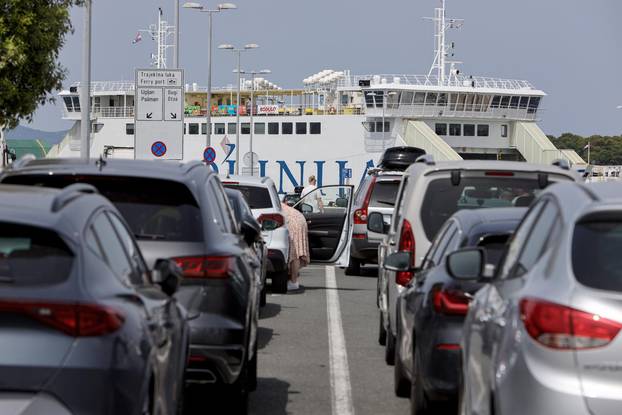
column 27, row 133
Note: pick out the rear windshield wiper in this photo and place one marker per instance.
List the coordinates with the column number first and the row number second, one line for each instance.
column 150, row 236
column 6, row 280
column 386, row 202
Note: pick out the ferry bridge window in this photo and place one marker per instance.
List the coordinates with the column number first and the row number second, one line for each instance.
column 505, row 102
column 496, row 101
column 514, row 102
column 523, row 102
column 453, row 99
column 534, row 102
column 387, row 126
column 441, row 129
column 68, row 104
column 287, row 128
column 468, row 130
column 370, row 126
column 430, row 99
column 185, row 128
column 219, row 127
column 393, row 99
column 203, row 128
column 379, row 99
column 483, row 130
column 504, row 130
column 407, row 98
column 76, row 103
column 273, row 128
column 442, row 100
column 129, row 129
column 469, row 102
column 260, row 128
column 231, row 128
column 419, row 98
column 301, row 128
column 315, row 128
column 369, row 99
column 245, row 128
column 455, row 129
column 193, row 128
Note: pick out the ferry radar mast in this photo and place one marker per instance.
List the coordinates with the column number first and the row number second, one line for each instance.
column 160, row 33
column 441, row 26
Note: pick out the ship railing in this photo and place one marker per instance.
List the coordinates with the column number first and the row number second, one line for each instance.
column 108, row 86
column 112, row 112
column 455, row 111
column 433, row 80
column 293, row 111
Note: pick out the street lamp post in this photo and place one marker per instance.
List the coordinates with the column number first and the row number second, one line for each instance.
column 384, row 96
column 85, row 90
column 253, row 74
column 210, row 12
column 176, row 56
column 237, row 120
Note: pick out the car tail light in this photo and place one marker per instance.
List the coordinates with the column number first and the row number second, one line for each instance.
column 77, row 320
column 205, row 267
column 500, row 173
column 230, row 183
column 271, row 221
column 360, row 215
column 560, row 327
column 450, row 302
column 359, row 235
column 407, row 244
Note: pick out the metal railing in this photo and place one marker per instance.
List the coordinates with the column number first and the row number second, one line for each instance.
column 454, row 111
column 432, row 80
column 350, row 110
column 112, row 112
column 112, row 86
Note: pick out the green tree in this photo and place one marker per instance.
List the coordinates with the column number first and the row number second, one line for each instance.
column 32, row 32
column 605, row 150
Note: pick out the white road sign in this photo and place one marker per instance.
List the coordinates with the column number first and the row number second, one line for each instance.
column 159, row 114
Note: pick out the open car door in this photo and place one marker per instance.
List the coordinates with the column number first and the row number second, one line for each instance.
column 327, row 211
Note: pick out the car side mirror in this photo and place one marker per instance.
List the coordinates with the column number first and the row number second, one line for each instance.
column 466, row 264
column 251, row 231
column 167, row 274
column 398, row 262
column 341, row 202
column 375, row 223
column 306, row 208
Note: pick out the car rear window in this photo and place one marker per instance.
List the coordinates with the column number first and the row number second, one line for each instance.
column 31, row 255
column 596, row 258
column 384, row 194
column 155, row 209
column 256, row 197
column 443, row 199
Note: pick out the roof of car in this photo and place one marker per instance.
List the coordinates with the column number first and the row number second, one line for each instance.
column 422, row 167
column 252, row 180
column 134, row 168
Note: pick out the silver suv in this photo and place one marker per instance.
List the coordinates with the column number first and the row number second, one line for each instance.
column 548, row 323
column 262, row 197
column 433, row 192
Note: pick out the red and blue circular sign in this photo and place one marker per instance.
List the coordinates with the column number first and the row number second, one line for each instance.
column 209, row 155
column 158, row 149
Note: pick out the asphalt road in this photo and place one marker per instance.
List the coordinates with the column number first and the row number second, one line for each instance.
column 298, row 373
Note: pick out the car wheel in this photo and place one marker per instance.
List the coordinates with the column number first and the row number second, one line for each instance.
column 239, row 392
column 400, row 383
column 389, row 349
column 354, row 268
column 418, row 401
column 382, row 333
column 263, row 297
column 279, row 282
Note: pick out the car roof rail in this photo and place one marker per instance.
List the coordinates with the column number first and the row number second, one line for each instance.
column 562, row 164
column 23, row 161
column 427, row 159
column 71, row 193
column 191, row 165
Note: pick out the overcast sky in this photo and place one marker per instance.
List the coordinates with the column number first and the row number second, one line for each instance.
column 571, row 49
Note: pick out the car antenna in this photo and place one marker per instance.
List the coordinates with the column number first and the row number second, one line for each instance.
column 101, row 163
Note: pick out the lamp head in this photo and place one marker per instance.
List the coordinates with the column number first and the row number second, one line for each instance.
column 251, row 46
column 192, row 5
column 227, row 6
column 226, row 47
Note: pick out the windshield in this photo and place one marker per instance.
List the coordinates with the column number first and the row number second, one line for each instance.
column 155, row 209
column 443, row 199
column 32, row 256
column 256, row 197
column 596, row 258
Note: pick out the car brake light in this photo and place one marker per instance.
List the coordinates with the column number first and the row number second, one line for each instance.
column 360, row 215
column 229, row 183
column 271, row 221
column 564, row 328
column 500, row 173
column 406, row 244
column 450, row 302
column 76, row 320
column 205, row 267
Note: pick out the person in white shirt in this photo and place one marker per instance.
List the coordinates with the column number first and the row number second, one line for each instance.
column 315, row 200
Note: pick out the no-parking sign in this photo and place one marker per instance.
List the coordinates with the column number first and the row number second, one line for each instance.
column 209, row 155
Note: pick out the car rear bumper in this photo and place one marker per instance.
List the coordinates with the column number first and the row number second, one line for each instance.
column 365, row 250
column 276, row 261
column 214, row 364
column 442, row 374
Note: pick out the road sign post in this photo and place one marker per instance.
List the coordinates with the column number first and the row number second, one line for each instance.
column 159, row 114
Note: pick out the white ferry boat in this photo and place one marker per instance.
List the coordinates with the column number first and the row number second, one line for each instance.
column 337, row 124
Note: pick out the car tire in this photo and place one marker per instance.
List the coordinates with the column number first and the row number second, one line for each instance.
column 400, row 383
column 354, row 268
column 263, row 297
column 418, row 401
column 239, row 392
column 389, row 349
column 382, row 333
column 279, row 282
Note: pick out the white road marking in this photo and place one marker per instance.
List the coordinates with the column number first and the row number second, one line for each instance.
column 341, row 390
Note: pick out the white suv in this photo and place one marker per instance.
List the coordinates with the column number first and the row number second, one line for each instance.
column 263, row 199
column 431, row 193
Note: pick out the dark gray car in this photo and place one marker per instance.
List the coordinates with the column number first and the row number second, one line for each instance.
column 181, row 211
column 85, row 328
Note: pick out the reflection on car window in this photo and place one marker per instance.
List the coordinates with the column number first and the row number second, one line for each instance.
column 596, row 259
column 331, row 199
column 256, row 197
